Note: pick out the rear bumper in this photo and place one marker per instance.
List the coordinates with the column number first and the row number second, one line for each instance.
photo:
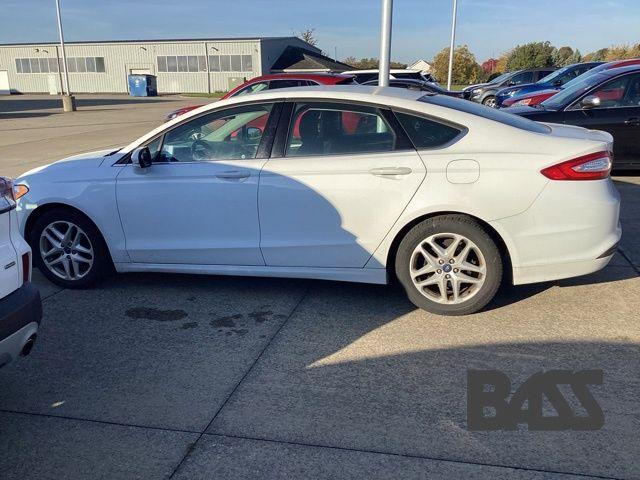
column 20, row 316
column 570, row 230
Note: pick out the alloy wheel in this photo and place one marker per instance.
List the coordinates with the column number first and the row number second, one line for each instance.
column 66, row 250
column 448, row 268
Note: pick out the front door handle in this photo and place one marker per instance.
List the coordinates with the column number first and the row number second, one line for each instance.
column 390, row 171
column 234, row 174
column 634, row 122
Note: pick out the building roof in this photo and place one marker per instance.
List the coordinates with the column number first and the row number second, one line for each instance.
column 296, row 59
column 157, row 40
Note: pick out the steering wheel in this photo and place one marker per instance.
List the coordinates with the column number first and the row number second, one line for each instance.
column 202, row 150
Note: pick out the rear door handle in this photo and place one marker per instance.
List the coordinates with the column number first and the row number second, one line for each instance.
column 634, row 122
column 390, row 171
column 234, row 174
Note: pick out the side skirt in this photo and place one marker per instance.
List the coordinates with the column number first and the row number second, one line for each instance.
column 359, row 275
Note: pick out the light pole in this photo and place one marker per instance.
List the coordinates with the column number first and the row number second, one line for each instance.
column 384, row 68
column 68, row 100
column 453, row 43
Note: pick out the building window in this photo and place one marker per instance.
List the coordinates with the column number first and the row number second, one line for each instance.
column 182, row 63
column 50, row 65
column 230, row 63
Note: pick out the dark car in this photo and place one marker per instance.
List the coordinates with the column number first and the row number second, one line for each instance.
column 362, row 76
column 485, row 93
column 609, row 101
column 412, row 84
column 554, row 80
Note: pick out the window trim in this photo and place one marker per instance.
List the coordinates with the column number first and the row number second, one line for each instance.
column 282, row 136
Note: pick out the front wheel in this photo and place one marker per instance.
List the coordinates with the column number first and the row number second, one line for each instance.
column 449, row 265
column 490, row 102
column 68, row 249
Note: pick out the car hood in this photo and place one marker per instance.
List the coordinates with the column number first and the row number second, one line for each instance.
column 477, row 85
column 524, row 111
column 83, row 161
column 517, row 88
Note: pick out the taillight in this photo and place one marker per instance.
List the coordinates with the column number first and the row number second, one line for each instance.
column 524, row 101
column 594, row 166
column 26, row 267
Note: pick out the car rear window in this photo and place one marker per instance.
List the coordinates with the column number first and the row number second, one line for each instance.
column 486, row 112
column 425, row 133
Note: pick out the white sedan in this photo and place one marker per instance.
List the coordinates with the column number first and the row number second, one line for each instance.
column 346, row 183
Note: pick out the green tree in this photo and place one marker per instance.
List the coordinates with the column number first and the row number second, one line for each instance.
column 566, row 56
column 597, row 56
column 531, row 55
column 370, row 63
column 465, row 68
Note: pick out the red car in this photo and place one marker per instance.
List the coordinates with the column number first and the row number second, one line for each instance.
column 535, row 98
column 272, row 82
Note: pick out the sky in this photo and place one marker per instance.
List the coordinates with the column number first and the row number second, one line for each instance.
column 421, row 27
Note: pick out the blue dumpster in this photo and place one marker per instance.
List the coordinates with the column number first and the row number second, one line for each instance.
column 142, row 86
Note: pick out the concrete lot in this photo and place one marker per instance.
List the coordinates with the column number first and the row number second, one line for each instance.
column 153, row 376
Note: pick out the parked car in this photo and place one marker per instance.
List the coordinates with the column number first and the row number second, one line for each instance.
column 609, row 101
column 362, row 76
column 485, row 93
column 539, row 97
column 553, row 80
column 337, row 204
column 20, row 306
column 273, row 82
column 419, row 85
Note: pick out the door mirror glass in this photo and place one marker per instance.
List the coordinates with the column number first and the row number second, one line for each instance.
column 254, row 134
column 141, row 157
column 590, row 101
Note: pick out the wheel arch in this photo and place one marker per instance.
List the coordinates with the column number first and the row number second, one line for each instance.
column 47, row 207
column 491, row 231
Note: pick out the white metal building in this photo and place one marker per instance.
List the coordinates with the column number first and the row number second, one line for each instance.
column 181, row 66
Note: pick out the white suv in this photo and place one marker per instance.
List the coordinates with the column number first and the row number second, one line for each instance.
column 20, row 305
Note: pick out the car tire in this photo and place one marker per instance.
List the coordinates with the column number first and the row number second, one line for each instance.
column 490, row 101
column 78, row 261
column 427, row 263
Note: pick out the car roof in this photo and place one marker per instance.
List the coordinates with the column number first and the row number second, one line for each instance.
column 375, row 70
column 612, row 72
column 303, row 76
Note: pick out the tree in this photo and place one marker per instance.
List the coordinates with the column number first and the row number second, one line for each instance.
column 465, row 68
column 308, row 36
column 531, row 55
column 566, row 56
column 490, row 66
column 370, row 63
column 597, row 56
column 622, row 52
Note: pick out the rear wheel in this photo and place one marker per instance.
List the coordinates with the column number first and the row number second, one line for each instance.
column 449, row 265
column 68, row 249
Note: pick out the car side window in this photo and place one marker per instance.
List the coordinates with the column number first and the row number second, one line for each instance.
column 253, row 88
column 230, row 134
column 524, row 77
column 621, row 92
column 425, row 133
column 275, row 84
column 333, row 129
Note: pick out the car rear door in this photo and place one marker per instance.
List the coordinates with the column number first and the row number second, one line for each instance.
column 618, row 114
column 338, row 178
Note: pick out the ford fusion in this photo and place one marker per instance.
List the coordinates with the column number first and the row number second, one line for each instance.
column 351, row 183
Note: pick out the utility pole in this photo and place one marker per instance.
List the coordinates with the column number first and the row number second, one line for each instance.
column 453, row 42
column 384, row 68
column 68, row 100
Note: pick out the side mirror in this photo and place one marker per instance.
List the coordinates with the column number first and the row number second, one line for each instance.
column 590, row 101
column 254, row 133
column 141, row 157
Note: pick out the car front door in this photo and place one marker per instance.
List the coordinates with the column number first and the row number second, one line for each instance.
column 618, row 114
column 197, row 202
column 339, row 177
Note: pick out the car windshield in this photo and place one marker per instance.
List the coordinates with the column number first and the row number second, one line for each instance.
column 486, row 112
column 501, row 78
column 570, row 93
column 586, row 74
column 553, row 75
